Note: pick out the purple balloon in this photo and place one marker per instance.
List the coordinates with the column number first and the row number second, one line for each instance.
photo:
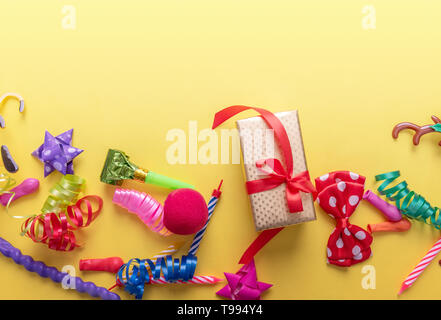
column 44, row 271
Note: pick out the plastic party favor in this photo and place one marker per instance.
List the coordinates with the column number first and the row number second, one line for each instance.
column 8, row 160
column 419, row 130
column 117, row 168
column 11, row 95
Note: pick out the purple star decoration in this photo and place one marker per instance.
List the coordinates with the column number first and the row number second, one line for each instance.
column 57, row 153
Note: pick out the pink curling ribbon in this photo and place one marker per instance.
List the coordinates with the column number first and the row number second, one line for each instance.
column 148, row 209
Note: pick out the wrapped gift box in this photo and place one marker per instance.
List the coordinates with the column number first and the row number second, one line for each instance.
column 270, row 208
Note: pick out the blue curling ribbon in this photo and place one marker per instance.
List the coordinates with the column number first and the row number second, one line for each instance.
column 137, row 272
column 408, row 202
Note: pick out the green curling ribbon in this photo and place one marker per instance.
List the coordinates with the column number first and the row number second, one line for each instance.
column 408, row 202
column 63, row 194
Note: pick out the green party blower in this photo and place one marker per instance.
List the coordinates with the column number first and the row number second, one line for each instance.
column 118, row 168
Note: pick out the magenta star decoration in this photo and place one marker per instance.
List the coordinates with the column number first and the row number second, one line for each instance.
column 243, row 285
column 57, row 153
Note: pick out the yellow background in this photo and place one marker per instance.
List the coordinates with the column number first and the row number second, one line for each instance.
column 132, row 70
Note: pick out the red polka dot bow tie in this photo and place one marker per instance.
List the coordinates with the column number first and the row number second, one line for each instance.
column 339, row 194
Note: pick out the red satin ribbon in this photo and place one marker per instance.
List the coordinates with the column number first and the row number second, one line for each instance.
column 276, row 176
column 56, row 230
column 262, row 239
column 272, row 121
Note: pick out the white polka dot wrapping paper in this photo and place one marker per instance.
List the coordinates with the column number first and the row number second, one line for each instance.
column 270, row 207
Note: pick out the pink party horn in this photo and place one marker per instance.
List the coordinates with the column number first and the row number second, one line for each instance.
column 390, row 211
column 148, row 209
column 28, row 186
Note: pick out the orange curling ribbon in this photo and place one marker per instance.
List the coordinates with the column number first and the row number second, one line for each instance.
column 56, row 230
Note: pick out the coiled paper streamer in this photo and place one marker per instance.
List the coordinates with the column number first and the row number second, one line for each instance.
column 408, row 202
column 137, row 272
column 56, row 230
column 63, row 194
column 148, row 209
column 44, row 271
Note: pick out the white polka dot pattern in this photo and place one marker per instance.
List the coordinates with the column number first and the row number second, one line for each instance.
column 339, row 195
column 270, row 209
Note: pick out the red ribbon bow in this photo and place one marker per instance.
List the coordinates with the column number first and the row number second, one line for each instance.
column 339, row 194
column 276, row 176
column 279, row 174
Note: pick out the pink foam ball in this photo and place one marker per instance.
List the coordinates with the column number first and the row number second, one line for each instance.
column 185, row 211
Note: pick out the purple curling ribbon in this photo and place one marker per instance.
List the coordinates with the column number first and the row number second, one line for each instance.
column 44, row 271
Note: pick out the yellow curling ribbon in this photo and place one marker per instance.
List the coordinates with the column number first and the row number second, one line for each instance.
column 6, row 183
column 62, row 195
